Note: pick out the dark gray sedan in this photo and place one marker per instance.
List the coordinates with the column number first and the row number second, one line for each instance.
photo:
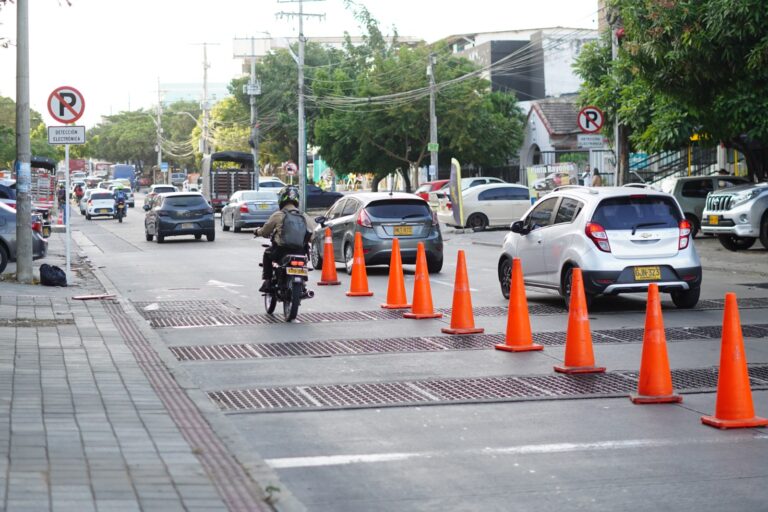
column 248, row 209
column 179, row 213
column 8, row 238
column 380, row 217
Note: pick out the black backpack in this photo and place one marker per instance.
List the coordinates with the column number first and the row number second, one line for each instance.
column 294, row 232
column 51, row 275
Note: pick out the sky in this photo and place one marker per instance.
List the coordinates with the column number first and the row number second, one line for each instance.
column 115, row 51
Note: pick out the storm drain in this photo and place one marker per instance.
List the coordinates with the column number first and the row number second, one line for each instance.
column 466, row 390
column 171, row 308
column 330, row 348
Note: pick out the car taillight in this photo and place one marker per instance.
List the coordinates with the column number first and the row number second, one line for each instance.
column 363, row 219
column 597, row 234
column 449, row 205
column 243, row 208
column 37, row 226
column 12, row 205
column 685, row 234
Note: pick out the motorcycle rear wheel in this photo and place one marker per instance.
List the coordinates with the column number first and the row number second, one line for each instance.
column 292, row 302
column 270, row 302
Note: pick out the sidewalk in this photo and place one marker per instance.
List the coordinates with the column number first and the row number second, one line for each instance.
column 95, row 417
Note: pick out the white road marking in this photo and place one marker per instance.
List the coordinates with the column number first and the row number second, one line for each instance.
column 628, row 444
column 444, row 283
column 152, row 307
column 222, row 284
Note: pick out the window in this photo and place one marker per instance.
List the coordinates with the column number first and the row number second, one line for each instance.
column 350, row 207
column 697, row 188
column 399, row 209
column 542, row 215
column 101, row 195
column 631, row 212
column 271, row 184
column 515, row 193
column 490, row 195
column 336, row 209
column 568, row 211
column 189, row 202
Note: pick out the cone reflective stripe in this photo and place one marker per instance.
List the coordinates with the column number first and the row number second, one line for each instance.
column 655, row 382
column 359, row 285
column 579, row 356
column 462, row 317
column 422, row 293
column 734, row 407
column 396, row 298
column 328, row 276
column 518, row 337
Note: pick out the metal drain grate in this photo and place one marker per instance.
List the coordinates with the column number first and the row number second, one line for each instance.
column 329, row 348
column 466, row 390
column 185, row 308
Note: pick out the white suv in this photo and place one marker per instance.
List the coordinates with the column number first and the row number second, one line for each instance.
column 622, row 238
column 738, row 216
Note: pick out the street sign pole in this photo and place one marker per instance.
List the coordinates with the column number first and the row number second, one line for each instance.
column 67, row 216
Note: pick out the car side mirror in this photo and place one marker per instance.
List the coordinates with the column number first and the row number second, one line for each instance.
column 518, row 227
column 146, row 208
column 320, row 220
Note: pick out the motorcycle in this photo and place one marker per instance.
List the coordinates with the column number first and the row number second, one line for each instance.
column 288, row 285
column 120, row 210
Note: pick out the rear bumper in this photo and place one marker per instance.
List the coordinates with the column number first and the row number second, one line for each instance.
column 379, row 252
column 174, row 227
column 616, row 282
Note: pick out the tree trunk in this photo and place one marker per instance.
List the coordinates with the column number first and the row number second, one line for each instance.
column 407, row 179
column 375, row 183
column 756, row 156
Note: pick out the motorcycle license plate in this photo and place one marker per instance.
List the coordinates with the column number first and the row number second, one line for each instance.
column 714, row 220
column 647, row 273
column 403, row 230
column 188, row 225
column 296, row 271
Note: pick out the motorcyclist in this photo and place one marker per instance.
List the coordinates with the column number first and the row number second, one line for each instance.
column 288, row 200
column 120, row 198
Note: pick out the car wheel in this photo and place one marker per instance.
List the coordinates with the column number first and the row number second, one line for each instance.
column 565, row 289
column 198, row 236
column 160, row 238
column 224, row 226
column 349, row 256
column 736, row 243
column 148, row 237
column 686, row 299
column 3, row 258
column 695, row 225
column 764, row 230
column 505, row 274
column 477, row 221
column 211, row 236
column 317, row 259
column 434, row 266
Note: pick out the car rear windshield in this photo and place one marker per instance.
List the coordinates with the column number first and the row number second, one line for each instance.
column 102, row 196
column 637, row 211
column 162, row 190
column 185, row 202
column 399, row 209
column 259, row 196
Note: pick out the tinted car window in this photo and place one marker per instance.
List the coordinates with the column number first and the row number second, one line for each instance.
column 633, row 211
column 271, row 184
column 350, row 207
column 185, row 202
column 7, row 192
column 490, row 195
column 569, row 209
column 542, row 215
column 399, row 209
column 102, row 195
column 162, row 190
column 697, row 188
column 514, row 193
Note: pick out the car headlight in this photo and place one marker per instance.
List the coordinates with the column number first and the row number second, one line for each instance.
column 745, row 197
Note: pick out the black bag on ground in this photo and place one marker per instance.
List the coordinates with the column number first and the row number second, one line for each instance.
column 294, row 231
column 51, row 275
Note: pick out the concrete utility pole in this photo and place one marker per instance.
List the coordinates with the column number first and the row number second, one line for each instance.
column 23, row 148
column 433, row 150
column 302, row 121
column 206, row 111
column 159, row 126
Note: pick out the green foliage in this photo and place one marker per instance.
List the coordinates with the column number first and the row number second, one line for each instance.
column 38, row 135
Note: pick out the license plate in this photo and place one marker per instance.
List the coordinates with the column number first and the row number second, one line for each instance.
column 647, row 274
column 104, row 210
column 263, row 206
column 714, row 220
column 188, row 225
column 296, row 271
column 403, row 230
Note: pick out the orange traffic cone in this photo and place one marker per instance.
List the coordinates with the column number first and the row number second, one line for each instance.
column 60, row 220
column 579, row 357
column 396, row 298
column 328, row 276
column 422, row 292
column 655, row 383
column 462, row 317
column 518, row 337
column 733, row 408
column 359, row 286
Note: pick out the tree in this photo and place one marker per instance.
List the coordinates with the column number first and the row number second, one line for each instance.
column 690, row 67
column 38, row 135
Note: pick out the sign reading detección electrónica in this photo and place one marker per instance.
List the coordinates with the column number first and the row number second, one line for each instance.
column 66, row 104
column 66, row 135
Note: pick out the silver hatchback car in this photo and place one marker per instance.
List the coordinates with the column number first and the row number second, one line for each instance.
column 622, row 238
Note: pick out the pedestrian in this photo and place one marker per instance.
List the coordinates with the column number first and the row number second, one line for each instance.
column 597, row 181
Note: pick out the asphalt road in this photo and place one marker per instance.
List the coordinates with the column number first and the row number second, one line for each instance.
column 355, row 411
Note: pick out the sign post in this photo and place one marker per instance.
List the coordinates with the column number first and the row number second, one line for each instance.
column 66, row 105
column 291, row 169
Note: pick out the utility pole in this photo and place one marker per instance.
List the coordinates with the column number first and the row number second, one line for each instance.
column 622, row 160
column 302, row 121
column 159, row 126
column 23, row 148
column 433, row 147
column 254, row 88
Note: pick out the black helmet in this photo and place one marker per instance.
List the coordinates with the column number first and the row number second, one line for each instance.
column 288, row 194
